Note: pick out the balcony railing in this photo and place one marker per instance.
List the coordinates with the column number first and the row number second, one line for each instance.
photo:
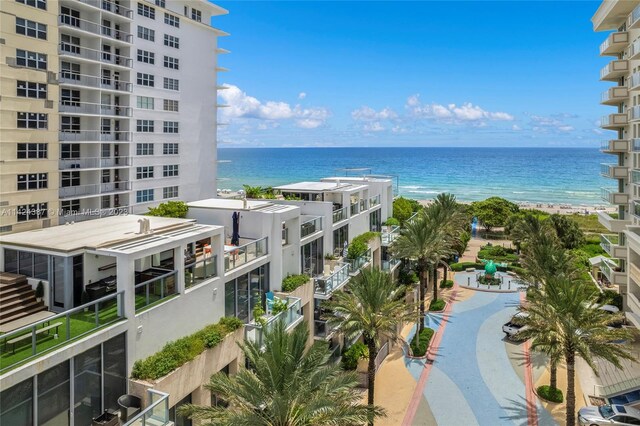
column 93, row 163
column 354, row 209
column 108, row 83
column 374, row 201
column 356, row 264
column 614, row 95
column 94, row 28
column 67, row 49
column 110, row 7
column 155, row 414
column 614, row 43
column 613, row 196
column 634, row 113
column 93, row 136
column 634, row 81
column 613, row 171
column 290, row 317
column 614, row 69
column 608, row 240
column 615, row 145
column 389, row 235
column 33, row 340
column 363, row 205
column 95, row 109
column 310, row 227
column 200, row 271
column 389, row 265
column 93, row 189
column 326, row 285
column 613, row 121
column 634, row 17
column 322, row 329
column 238, row 256
column 340, row 214
column 152, row 291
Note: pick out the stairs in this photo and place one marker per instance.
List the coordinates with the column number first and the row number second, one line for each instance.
column 17, row 298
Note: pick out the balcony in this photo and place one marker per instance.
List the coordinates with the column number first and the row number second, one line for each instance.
column 612, row 271
column 155, row 414
column 70, row 22
column 614, row 121
column 614, row 146
column 614, row 95
column 291, row 317
column 354, row 208
column 153, row 286
column 390, row 265
column 358, row 263
column 93, row 136
column 633, row 83
column 634, row 274
column 612, row 224
column 374, row 201
column 634, row 113
column 614, row 70
column 325, row 286
column 389, row 233
column 611, row 196
column 111, row 7
column 340, row 215
column 363, row 205
column 93, row 163
column 234, row 257
column 75, row 51
column 614, row 171
column 85, row 108
column 610, row 244
column 91, row 81
column 32, row 341
column 614, row 44
column 311, row 226
column 322, row 330
column 94, row 189
column 200, row 270
column 634, row 19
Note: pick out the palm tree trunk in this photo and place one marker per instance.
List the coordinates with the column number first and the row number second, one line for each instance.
column 421, row 294
column 435, row 284
column 553, row 373
column 571, row 395
column 371, row 373
column 444, row 272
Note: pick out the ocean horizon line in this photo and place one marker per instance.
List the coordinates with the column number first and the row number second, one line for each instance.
column 411, row 147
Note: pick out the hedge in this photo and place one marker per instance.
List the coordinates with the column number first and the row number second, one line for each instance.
column 175, row 354
column 461, row 266
column 549, row 393
column 425, row 337
column 292, row 282
column 446, row 284
column 351, row 356
column 436, row 305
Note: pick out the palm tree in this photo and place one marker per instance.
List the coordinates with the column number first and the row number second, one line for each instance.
column 374, row 306
column 253, row 191
column 285, row 385
column 420, row 240
column 569, row 312
column 544, row 259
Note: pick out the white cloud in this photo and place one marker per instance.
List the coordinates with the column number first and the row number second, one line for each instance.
column 302, row 95
column 516, row 128
column 551, row 123
column 366, row 113
column 452, row 113
column 373, row 127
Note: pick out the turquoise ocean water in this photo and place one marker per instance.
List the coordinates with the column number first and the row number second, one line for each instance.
column 546, row 175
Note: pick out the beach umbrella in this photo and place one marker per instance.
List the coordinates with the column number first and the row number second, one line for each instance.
column 235, row 237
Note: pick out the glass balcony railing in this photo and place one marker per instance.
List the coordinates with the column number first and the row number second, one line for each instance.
column 339, row 215
column 93, row 189
column 363, row 205
column 94, row 109
column 634, row 81
column 200, row 271
column 356, row 264
column 390, row 234
column 93, row 162
column 93, row 136
column 156, row 413
column 112, row 7
column 636, row 145
column 326, row 285
column 310, row 227
column 605, row 169
column 68, row 49
column 608, row 240
column 635, row 15
column 374, row 201
column 608, row 267
column 322, row 329
column 68, row 77
column 94, row 28
column 354, row 209
column 33, row 340
column 156, row 289
column 292, row 315
column 237, row 256
column 388, row 265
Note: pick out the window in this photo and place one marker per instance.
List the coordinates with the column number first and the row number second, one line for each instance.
column 170, row 170
column 146, row 11
column 170, row 149
column 70, row 71
column 144, row 196
column 35, row 60
column 174, row 21
column 145, row 126
column 28, row 89
column 172, row 63
column 32, row 150
column 145, row 172
column 40, row 4
column 146, row 57
column 70, row 124
column 171, row 83
column 70, row 97
column 146, row 79
column 171, row 41
column 32, row 212
column 69, row 179
column 161, row 3
column 70, row 17
column 146, row 33
column 32, row 120
column 31, row 28
column 170, row 105
column 196, row 15
column 145, row 102
column 170, row 127
column 105, row 126
column 70, row 44
column 69, row 150
column 70, row 207
column 170, row 192
column 144, row 149
column 32, row 181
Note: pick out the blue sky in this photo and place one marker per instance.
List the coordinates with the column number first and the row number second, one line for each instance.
column 454, row 73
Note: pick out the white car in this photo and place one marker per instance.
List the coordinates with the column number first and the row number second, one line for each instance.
column 610, row 415
column 513, row 327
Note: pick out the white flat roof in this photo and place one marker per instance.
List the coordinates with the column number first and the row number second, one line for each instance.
column 363, row 179
column 94, row 234
column 313, row 186
column 229, row 204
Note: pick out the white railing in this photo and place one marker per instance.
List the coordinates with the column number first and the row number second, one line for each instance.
column 94, row 28
column 238, row 256
column 93, row 162
column 634, row 81
column 93, row 189
column 110, row 7
column 255, row 331
column 67, row 77
column 67, row 49
column 310, row 226
column 374, row 201
column 340, row 215
column 156, row 413
column 93, row 136
column 328, row 284
column 390, row 235
column 91, row 108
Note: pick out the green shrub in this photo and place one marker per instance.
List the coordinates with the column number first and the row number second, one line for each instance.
column 549, row 393
column 461, row 266
column 351, row 356
column 176, row 353
column 40, row 290
column 446, row 284
column 279, row 305
column 436, row 305
column 407, row 277
column 356, row 249
column 392, row 221
column 425, row 337
column 611, row 297
column 176, row 209
column 294, row 281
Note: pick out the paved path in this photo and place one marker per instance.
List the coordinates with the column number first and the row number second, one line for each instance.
column 472, row 381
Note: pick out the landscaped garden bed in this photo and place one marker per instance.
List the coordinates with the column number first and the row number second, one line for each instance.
column 419, row 346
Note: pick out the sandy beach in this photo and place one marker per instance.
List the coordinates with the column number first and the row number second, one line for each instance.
column 553, row 208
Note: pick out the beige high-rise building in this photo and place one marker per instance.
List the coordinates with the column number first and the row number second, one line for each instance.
column 621, row 18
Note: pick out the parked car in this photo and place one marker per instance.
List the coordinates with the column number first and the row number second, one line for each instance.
column 514, row 326
column 610, row 415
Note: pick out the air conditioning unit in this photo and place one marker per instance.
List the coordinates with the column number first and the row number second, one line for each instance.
column 51, row 77
column 46, row 223
column 12, row 62
column 48, row 103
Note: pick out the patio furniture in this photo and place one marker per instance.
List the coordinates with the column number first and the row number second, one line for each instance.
column 130, row 405
column 15, row 340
